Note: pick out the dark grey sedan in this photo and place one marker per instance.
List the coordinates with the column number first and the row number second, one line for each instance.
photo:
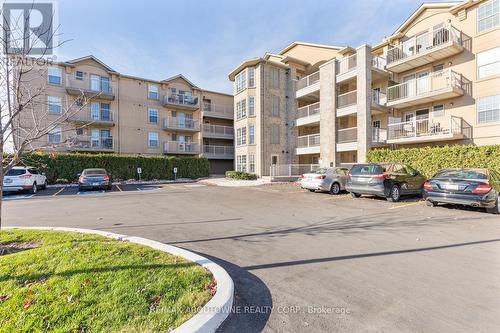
column 94, row 179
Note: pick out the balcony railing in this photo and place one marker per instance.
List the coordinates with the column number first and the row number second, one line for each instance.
column 379, row 98
column 347, row 64
column 218, row 110
column 306, row 141
column 308, row 110
column 89, row 143
column 178, row 123
column 218, row 151
column 185, row 100
column 422, row 128
column 423, row 43
column 218, row 131
column 308, row 80
column 433, row 82
column 346, row 99
column 92, row 117
column 347, row 135
column 102, row 88
column 179, row 147
column 379, row 62
column 379, row 135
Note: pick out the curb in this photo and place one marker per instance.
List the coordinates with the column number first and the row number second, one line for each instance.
column 135, row 182
column 213, row 313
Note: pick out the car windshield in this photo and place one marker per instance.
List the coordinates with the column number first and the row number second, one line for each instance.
column 367, row 169
column 16, row 172
column 463, row 174
column 321, row 171
column 92, row 172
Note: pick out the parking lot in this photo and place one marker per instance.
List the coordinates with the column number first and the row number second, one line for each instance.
column 310, row 262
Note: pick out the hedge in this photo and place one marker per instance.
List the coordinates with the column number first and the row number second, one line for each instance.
column 121, row 167
column 429, row 160
column 241, row 175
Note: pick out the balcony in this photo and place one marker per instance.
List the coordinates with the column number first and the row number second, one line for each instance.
column 92, row 144
column 218, row 152
column 347, row 139
column 379, row 136
column 346, row 68
column 308, row 86
column 379, row 63
column 346, row 103
column 182, row 101
column 218, row 111
column 85, row 116
column 218, row 131
column 429, row 88
column 379, row 101
column 102, row 88
column 181, row 148
column 308, row 114
column 308, row 144
column 427, row 130
column 424, row 49
column 181, row 124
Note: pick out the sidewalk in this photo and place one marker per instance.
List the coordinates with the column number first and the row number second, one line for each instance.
column 227, row 182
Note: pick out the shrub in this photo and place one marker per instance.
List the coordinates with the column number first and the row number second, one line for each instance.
column 429, row 160
column 241, row 175
column 121, row 167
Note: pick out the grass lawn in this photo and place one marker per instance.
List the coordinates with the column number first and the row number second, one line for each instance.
column 71, row 282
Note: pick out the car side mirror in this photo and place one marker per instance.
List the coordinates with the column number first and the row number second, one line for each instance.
column 78, row 174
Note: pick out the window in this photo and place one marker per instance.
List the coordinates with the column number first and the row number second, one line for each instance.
column 153, row 139
column 251, row 77
column 241, row 163
column 438, row 111
column 100, row 83
column 251, row 163
column 240, row 81
column 275, row 78
column 54, row 104
column 54, row 75
column 275, row 134
column 275, row 112
column 241, row 109
column 238, row 136
column 438, row 68
column 251, row 106
column 376, row 124
column 251, row 134
column 488, row 109
column 55, row 135
column 241, row 136
column 488, row 63
column 153, row 116
column 79, row 75
column 153, row 91
column 488, row 15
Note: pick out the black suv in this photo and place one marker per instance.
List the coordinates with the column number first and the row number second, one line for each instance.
column 388, row 180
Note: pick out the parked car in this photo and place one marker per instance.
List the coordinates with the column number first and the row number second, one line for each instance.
column 388, row 180
column 330, row 180
column 94, row 179
column 470, row 187
column 24, row 179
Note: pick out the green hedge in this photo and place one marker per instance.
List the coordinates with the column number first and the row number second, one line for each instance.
column 121, row 167
column 241, row 175
column 429, row 160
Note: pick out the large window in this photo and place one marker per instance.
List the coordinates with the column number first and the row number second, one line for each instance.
column 241, row 163
column 55, row 135
column 240, row 81
column 153, row 139
column 241, row 109
column 54, row 104
column 55, row 75
column 251, row 163
column 251, row 134
column 251, row 106
column 488, row 15
column 488, row 63
column 241, row 136
column 153, row 91
column 153, row 116
column 251, row 77
column 488, row 109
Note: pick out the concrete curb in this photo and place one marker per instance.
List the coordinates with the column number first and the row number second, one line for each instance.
column 213, row 313
column 135, row 182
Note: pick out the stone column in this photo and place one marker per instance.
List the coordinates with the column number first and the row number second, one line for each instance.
column 364, row 99
column 328, row 106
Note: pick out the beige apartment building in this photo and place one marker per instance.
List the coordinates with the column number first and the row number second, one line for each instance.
column 435, row 81
column 131, row 115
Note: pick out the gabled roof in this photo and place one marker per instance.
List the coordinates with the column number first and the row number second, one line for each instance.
column 294, row 44
column 91, row 57
column 180, row 76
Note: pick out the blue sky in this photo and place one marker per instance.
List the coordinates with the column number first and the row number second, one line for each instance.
column 205, row 40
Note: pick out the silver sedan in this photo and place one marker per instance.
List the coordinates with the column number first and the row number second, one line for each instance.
column 330, row 180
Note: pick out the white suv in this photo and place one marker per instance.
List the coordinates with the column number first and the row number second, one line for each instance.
column 24, row 178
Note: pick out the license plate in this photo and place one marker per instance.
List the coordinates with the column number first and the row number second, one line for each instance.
column 362, row 179
column 452, row 187
column 95, row 184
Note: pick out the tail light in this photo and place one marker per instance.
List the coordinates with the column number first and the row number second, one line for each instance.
column 301, row 177
column 106, row 178
column 26, row 176
column 482, row 188
column 81, row 179
column 349, row 175
column 427, row 186
column 320, row 177
column 379, row 176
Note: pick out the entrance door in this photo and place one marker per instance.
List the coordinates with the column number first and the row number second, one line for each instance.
column 95, row 111
column 95, row 137
column 409, row 88
column 422, row 83
column 95, row 82
column 182, row 119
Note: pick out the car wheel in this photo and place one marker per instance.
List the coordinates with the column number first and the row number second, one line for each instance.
column 312, row 190
column 430, row 203
column 80, row 189
column 335, row 189
column 33, row 189
column 44, row 186
column 394, row 194
column 355, row 195
column 494, row 210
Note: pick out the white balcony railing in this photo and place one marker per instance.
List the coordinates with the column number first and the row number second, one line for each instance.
column 308, row 80
column 218, row 130
column 347, row 64
column 308, row 110
column 379, row 62
column 180, row 147
column 90, row 143
column 101, row 85
column 218, row 151
column 432, row 82
column 379, row 135
column 424, row 42
column 346, row 99
column 180, row 123
column 218, row 110
column 86, row 115
column 347, row 135
column 291, row 170
column 306, row 141
column 180, row 99
column 379, row 98
column 425, row 128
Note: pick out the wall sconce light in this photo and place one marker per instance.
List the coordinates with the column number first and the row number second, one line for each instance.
column 451, row 103
column 450, row 63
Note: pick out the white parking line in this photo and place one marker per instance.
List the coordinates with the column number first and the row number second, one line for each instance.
column 18, row 196
column 195, row 185
column 148, row 188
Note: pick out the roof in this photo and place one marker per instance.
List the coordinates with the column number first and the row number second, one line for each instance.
column 91, row 57
column 180, row 76
column 252, row 62
column 294, row 44
column 464, row 5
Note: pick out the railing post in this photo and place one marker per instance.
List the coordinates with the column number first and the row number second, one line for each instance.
column 415, row 125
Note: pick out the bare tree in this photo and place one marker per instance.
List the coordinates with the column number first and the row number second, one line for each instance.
column 26, row 120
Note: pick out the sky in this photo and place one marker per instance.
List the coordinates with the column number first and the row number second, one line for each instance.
column 204, row 40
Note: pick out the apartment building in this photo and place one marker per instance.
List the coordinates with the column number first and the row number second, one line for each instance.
column 129, row 115
column 435, row 81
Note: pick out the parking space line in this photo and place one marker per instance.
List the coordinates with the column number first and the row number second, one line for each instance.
column 406, row 205
column 62, row 189
column 119, row 189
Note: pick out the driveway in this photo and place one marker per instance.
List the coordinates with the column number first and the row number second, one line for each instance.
column 311, row 262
